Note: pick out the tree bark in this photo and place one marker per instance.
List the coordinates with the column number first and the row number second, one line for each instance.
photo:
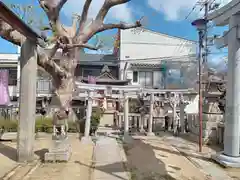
column 65, row 86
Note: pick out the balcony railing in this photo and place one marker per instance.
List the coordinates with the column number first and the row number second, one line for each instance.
column 44, row 87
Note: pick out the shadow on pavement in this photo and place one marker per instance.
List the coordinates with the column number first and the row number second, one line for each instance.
column 112, row 169
column 186, row 145
column 40, row 153
column 143, row 163
column 181, row 152
column 8, row 151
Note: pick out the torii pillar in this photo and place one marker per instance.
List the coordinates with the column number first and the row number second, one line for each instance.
column 126, row 136
column 229, row 14
column 27, row 102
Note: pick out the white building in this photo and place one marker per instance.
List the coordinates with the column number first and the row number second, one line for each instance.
column 144, row 58
column 11, row 63
column 145, row 55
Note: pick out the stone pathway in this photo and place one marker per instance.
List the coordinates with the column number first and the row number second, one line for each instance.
column 108, row 160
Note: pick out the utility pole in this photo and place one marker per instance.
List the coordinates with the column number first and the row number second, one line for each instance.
column 205, row 58
column 202, row 27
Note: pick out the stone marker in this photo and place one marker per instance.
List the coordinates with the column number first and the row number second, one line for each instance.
column 61, row 150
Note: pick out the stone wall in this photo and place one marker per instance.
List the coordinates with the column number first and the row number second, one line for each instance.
column 211, row 118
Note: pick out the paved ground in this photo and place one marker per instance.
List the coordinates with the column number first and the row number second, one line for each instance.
column 108, row 160
column 161, row 157
column 7, row 158
column 151, row 158
column 173, row 158
column 79, row 166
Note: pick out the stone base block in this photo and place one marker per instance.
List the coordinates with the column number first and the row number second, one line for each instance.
column 61, row 152
column 57, row 156
column 226, row 161
column 150, row 134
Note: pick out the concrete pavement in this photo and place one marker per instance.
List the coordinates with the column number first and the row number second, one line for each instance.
column 162, row 156
column 79, row 166
column 108, row 160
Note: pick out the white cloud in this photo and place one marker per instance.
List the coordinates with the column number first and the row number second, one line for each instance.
column 121, row 12
column 175, row 10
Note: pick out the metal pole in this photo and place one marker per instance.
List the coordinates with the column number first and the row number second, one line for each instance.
column 206, row 5
column 200, row 89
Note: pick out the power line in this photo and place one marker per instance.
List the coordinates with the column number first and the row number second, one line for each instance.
column 186, row 17
column 193, row 8
column 166, row 44
column 169, row 58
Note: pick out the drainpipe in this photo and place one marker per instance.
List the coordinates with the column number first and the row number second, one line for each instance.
column 124, row 71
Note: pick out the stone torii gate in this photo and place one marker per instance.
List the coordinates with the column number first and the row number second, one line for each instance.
column 28, row 64
column 230, row 15
column 127, row 92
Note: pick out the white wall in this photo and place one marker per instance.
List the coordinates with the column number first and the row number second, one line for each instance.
column 149, row 44
column 11, row 60
column 150, row 47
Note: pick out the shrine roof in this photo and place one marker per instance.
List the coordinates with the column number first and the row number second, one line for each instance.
column 108, row 81
column 91, row 59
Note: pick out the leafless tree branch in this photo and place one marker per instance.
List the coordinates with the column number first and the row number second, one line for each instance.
column 49, row 66
column 84, row 15
column 98, row 24
column 52, row 11
column 88, row 46
column 108, row 4
column 119, row 26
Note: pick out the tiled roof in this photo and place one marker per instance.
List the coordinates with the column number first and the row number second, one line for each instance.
column 91, row 58
column 145, row 65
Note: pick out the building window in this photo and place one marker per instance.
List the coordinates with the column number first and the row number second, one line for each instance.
column 146, row 78
column 12, row 76
column 135, row 76
column 149, row 78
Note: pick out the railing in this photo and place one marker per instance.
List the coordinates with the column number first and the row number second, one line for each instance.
column 44, row 87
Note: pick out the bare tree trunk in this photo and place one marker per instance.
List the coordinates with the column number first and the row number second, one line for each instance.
column 65, row 86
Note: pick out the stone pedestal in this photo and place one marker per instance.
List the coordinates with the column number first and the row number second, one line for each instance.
column 227, row 161
column 60, row 152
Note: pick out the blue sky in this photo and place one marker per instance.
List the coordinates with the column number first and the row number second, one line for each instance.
column 166, row 16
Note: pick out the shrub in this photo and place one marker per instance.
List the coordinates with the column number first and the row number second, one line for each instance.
column 44, row 125
column 8, row 125
column 95, row 120
column 73, row 127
